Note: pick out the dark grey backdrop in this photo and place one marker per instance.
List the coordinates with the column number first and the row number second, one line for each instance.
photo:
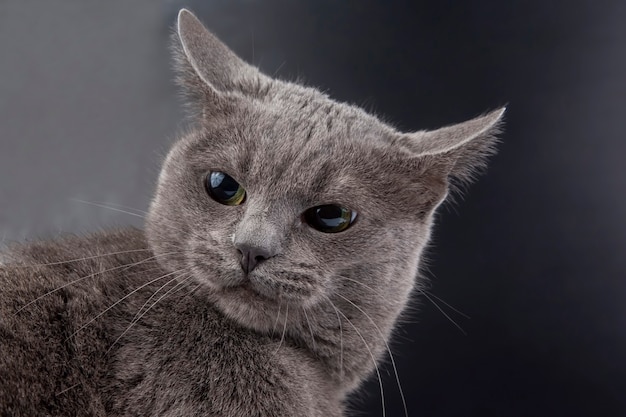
column 535, row 254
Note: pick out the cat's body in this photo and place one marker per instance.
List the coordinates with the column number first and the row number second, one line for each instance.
column 283, row 242
column 183, row 358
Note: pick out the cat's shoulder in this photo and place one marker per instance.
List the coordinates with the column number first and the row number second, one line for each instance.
column 34, row 268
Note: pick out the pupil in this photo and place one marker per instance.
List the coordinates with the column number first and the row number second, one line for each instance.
column 331, row 216
column 329, row 212
column 224, row 185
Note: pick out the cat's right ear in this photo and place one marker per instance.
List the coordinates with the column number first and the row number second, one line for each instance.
column 450, row 157
column 206, row 68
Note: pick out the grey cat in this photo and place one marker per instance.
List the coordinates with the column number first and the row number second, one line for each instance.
column 282, row 244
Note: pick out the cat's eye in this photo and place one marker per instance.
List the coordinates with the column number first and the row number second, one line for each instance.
column 224, row 189
column 329, row 218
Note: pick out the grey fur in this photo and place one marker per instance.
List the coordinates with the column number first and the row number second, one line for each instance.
column 292, row 338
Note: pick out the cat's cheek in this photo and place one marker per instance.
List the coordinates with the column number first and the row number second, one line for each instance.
column 332, row 251
column 210, row 262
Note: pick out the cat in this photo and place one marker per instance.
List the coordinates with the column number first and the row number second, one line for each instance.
column 282, row 244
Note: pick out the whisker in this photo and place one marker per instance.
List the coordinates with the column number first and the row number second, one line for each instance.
column 280, row 304
column 443, row 312
column 278, row 69
column 138, row 211
column 341, row 373
column 186, row 283
column 426, row 295
column 133, row 322
column 152, row 296
column 120, row 209
column 108, row 207
column 126, row 266
column 364, row 285
column 378, row 293
column 84, row 259
column 380, row 381
column 119, row 301
column 448, row 305
column 192, row 291
column 66, row 390
column 282, row 337
column 308, row 322
column 393, row 362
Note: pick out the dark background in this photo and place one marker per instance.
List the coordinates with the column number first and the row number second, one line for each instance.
column 535, row 253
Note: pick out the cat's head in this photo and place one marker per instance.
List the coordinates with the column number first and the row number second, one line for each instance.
column 280, row 197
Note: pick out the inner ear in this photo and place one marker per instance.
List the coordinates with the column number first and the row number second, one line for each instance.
column 457, row 152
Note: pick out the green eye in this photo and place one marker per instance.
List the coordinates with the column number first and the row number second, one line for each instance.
column 329, row 218
column 224, row 189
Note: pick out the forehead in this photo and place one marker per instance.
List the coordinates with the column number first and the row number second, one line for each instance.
column 299, row 141
column 296, row 117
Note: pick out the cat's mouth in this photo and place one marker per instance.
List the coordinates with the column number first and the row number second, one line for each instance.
column 248, row 291
column 261, row 300
column 248, row 306
column 274, row 286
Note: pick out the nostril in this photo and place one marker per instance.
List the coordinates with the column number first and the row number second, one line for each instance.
column 251, row 256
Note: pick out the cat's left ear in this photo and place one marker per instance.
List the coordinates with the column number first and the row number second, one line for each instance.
column 206, row 68
column 456, row 153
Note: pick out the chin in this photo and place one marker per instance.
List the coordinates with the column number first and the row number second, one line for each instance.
column 250, row 308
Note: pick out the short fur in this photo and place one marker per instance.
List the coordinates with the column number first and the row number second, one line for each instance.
column 291, row 338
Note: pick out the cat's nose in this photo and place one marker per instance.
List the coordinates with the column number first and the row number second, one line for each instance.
column 251, row 256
